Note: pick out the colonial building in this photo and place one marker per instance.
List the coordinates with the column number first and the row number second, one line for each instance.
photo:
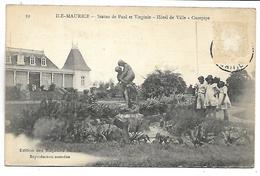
column 24, row 67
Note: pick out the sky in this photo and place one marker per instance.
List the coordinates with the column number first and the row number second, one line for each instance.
column 146, row 45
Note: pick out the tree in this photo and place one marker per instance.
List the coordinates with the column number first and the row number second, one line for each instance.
column 163, row 83
column 238, row 84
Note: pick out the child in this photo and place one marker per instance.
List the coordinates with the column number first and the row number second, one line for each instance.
column 211, row 96
column 200, row 93
column 223, row 101
column 216, row 81
column 119, row 72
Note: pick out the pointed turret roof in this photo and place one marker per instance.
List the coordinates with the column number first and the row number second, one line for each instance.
column 75, row 61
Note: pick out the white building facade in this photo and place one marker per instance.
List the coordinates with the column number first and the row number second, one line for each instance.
column 25, row 67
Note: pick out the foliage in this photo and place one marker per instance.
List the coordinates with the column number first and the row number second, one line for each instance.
column 163, row 83
column 80, row 118
column 190, row 90
column 206, row 132
column 86, row 98
column 104, row 90
column 235, row 135
column 152, row 106
column 161, row 139
column 42, row 88
column 180, row 118
column 51, row 129
column 137, row 126
column 90, row 130
column 194, row 127
column 73, row 110
column 101, row 111
column 71, row 94
column 30, row 87
column 238, row 85
column 52, row 87
column 13, row 93
column 24, row 123
column 138, row 137
column 101, row 91
column 114, row 90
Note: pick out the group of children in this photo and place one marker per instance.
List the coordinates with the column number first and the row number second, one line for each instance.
column 212, row 96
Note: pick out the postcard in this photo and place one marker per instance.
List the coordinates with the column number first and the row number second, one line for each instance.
column 126, row 86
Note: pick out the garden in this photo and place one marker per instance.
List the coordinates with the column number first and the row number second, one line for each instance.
column 163, row 129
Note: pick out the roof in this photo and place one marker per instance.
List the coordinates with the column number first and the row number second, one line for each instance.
column 27, row 54
column 75, row 61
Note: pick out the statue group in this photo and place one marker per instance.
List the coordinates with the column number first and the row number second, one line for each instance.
column 125, row 77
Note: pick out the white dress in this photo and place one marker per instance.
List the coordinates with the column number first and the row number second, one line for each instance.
column 211, row 98
column 200, row 91
column 226, row 104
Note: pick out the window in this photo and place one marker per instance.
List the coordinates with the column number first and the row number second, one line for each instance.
column 32, row 60
column 20, row 59
column 82, row 80
column 43, row 61
column 8, row 60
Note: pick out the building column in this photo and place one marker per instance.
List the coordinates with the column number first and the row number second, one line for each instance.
column 52, row 78
column 28, row 77
column 14, row 77
column 40, row 79
column 63, row 80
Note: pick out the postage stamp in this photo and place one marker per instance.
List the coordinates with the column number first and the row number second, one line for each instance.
column 232, row 48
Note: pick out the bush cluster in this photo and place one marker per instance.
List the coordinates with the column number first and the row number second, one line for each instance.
column 59, row 120
column 153, row 106
column 79, row 118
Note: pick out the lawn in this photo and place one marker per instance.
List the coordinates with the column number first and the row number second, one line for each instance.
column 156, row 155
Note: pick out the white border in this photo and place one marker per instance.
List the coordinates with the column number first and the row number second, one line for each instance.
column 43, row 171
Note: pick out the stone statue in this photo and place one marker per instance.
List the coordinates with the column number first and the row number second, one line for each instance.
column 125, row 76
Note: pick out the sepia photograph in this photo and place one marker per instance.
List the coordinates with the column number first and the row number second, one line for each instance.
column 124, row 86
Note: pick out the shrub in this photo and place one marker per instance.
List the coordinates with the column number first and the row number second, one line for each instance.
column 235, row 135
column 206, row 132
column 70, row 113
column 100, row 111
column 192, row 126
column 42, row 88
column 49, row 128
column 163, row 83
column 152, row 106
column 71, row 94
column 24, row 123
column 14, row 92
column 86, row 98
column 239, row 86
column 86, row 92
column 49, row 108
column 181, row 118
column 52, row 87
column 81, row 131
column 89, row 130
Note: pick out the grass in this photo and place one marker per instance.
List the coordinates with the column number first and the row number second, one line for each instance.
column 156, row 155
